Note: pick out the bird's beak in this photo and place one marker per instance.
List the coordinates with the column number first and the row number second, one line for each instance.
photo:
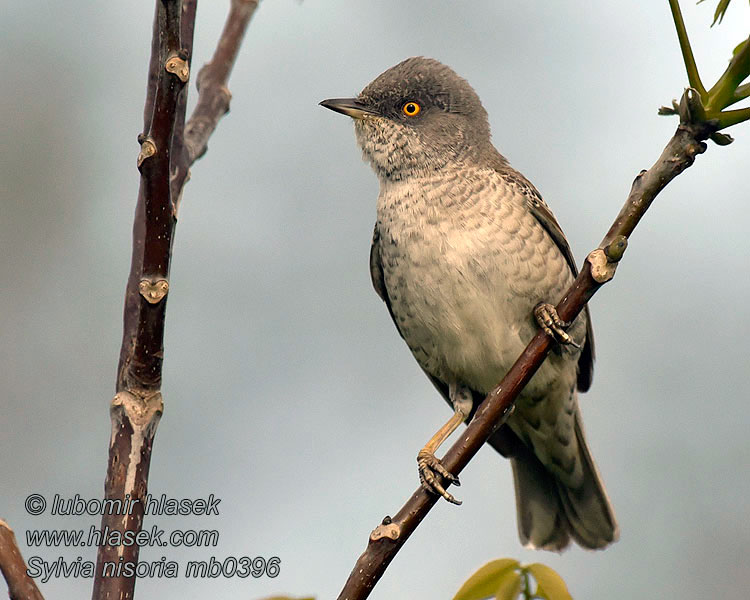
column 350, row 107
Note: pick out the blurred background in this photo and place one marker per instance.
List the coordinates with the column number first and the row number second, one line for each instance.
column 288, row 392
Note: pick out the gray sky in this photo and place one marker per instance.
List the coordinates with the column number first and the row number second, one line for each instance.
column 289, row 394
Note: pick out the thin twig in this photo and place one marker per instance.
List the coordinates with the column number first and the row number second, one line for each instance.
column 214, row 97
column 13, row 568
column 387, row 539
column 178, row 154
column 213, row 94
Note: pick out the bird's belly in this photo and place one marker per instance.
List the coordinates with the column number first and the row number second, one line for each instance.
column 465, row 313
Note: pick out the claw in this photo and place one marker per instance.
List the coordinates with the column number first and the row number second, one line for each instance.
column 429, row 466
column 551, row 323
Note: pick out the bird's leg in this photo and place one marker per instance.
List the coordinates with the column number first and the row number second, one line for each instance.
column 429, row 464
column 550, row 322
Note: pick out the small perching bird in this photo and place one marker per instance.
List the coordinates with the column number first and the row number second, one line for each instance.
column 467, row 257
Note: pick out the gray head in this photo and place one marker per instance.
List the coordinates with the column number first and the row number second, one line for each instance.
column 419, row 117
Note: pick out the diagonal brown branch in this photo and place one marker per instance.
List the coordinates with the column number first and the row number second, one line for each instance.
column 214, row 97
column 189, row 8
column 213, row 94
column 13, row 567
column 388, row 538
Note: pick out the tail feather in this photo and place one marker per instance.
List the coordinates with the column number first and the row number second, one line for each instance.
column 542, row 522
column 588, row 508
column 549, row 512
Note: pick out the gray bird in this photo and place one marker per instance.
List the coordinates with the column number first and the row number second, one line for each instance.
column 466, row 255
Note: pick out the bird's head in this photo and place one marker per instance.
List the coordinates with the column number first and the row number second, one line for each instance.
column 416, row 118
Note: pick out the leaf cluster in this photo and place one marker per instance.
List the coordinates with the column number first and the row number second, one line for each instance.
column 508, row 579
column 710, row 104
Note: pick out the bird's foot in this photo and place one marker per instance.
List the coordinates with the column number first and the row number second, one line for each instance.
column 429, row 468
column 551, row 323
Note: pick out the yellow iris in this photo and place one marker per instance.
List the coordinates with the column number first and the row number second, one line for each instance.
column 411, row 109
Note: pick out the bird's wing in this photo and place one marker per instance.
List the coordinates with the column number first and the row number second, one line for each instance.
column 378, row 282
column 377, row 276
column 547, row 220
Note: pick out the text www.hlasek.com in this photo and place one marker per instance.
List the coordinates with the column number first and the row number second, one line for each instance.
column 155, row 537
column 189, row 538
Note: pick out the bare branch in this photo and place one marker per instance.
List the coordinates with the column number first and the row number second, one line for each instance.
column 13, row 567
column 214, row 97
column 137, row 406
column 178, row 155
column 388, row 538
column 213, row 94
column 164, row 161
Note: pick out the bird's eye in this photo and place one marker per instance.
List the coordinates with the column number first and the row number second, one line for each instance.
column 411, row 109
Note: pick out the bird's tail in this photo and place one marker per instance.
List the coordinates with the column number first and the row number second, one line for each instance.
column 549, row 512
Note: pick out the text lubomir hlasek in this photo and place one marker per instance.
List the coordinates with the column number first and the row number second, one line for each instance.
column 152, row 505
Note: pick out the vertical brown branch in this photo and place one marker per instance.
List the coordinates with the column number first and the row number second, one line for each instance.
column 164, row 163
column 137, row 406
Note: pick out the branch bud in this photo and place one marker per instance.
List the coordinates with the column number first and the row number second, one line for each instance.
column 153, row 290
column 178, row 66
column 148, row 149
column 387, row 529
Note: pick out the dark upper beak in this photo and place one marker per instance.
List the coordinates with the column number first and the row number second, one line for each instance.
column 350, row 107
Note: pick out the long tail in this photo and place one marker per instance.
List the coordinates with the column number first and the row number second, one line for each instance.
column 550, row 513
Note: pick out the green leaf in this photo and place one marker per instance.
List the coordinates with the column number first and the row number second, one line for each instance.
column 550, row 585
column 721, row 8
column 510, row 587
column 484, row 582
column 722, row 139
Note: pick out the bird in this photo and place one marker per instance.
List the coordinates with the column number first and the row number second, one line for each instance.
column 467, row 258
